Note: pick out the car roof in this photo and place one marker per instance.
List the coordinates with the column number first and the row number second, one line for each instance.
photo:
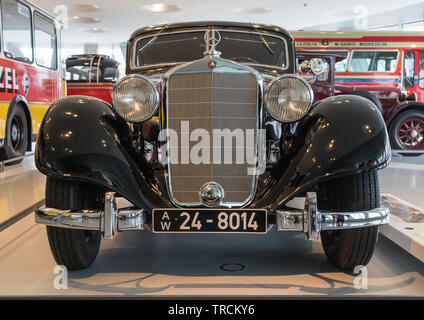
column 106, row 60
column 266, row 28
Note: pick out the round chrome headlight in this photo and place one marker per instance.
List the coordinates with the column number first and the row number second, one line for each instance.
column 317, row 66
column 135, row 98
column 288, row 98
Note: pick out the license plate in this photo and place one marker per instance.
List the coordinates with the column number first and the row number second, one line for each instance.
column 209, row 221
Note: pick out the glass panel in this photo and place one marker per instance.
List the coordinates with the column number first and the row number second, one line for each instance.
column 110, row 74
column 393, row 27
column 188, row 46
column 414, row 26
column 409, row 70
column 421, row 71
column 45, row 42
column 321, row 77
column 340, row 66
column 373, row 61
column 81, row 73
column 17, row 31
column 90, row 68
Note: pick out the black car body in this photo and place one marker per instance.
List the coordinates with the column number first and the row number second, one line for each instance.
column 92, row 151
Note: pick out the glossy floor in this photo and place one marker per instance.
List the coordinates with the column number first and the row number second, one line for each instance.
column 21, row 186
column 141, row 263
column 404, row 178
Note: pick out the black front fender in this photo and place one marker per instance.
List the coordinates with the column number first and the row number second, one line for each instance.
column 345, row 135
column 82, row 138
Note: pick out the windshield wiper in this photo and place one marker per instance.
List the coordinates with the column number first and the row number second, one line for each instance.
column 152, row 40
column 262, row 38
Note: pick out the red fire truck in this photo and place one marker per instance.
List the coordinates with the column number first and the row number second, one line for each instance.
column 91, row 75
column 384, row 59
column 30, row 74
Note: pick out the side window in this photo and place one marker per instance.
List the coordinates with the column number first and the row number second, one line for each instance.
column 340, row 66
column 45, row 42
column 110, row 74
column 17, row 35
column 373, row 61
column 421, row 71
column 81, row 73
column 409, row 69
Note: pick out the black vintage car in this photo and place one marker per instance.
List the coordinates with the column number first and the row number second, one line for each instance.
column 201, row 141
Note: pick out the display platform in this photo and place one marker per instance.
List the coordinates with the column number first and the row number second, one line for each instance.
column 277, row 264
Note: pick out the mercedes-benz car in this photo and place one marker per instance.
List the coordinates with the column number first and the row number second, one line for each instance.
column 213, row 131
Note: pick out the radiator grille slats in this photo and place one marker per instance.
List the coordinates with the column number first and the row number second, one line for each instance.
column 212, row 99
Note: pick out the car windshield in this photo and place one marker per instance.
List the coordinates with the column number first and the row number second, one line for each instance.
column 320, row 77
column 86, row 71
column 245, row 47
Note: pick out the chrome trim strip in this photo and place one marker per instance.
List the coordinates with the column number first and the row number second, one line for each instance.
column 164, row 125
column 311, row 221
column 109, row 223
column 133, row 66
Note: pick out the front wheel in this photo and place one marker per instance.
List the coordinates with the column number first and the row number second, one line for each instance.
column 75, row 249
column 351, row 247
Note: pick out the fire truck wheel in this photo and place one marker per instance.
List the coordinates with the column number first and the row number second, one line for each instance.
column 73, row 248
column 351, row 247
column 16, row 135
column 407, row 132
column 369, row 96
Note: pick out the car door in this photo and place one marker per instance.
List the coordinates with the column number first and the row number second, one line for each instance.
column 413, row 73
column 420, row 82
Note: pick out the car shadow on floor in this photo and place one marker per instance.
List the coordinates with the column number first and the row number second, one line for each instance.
column 145, row 263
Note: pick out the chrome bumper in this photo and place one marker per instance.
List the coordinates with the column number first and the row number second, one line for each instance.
column 109, row 222
column 309, row 221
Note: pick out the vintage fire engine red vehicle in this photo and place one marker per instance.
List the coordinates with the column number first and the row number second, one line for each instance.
column 404, row 116
column 380, row 59
column 91, row 75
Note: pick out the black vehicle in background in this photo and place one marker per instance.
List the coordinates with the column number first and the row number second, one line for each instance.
column 91, row 75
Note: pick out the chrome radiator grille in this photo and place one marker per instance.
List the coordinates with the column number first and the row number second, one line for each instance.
column 221, row 98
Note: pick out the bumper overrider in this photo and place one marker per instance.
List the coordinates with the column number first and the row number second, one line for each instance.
column 111, row 220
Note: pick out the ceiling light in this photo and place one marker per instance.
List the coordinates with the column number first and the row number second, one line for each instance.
column 81, row 7
column 254, row 9
column 160, row 7
column 96, row 29
column 84, row 19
